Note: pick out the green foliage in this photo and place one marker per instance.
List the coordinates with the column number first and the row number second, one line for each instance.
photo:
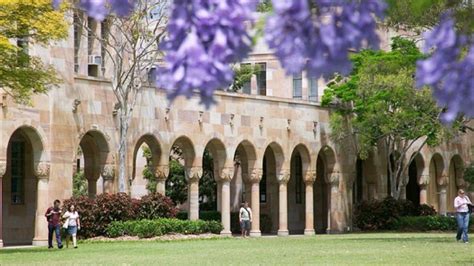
column 378, row 103
column 203, row 215
column 23, row 75
column 176, row 185
column 426, row 223
column 79, row 184
column 163, row 226
column 207, row 184
column 147, row 173
column 383, row 214
column 242, row 75
column 96, row 214
column 265, row 6
column 469, row 176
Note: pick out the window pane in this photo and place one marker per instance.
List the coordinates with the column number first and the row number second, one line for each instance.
column 246, row 88
column 313, row 89
column 297, row 86
column 262, row 79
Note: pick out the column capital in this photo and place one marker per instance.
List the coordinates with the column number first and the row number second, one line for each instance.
column 3, row 168
column 162, row 172
column 42, row 170
column 108, row 173
column 334, row 178
column 443, row 180
column 284, row 176
column 310, row 176
column 255, row 175
column 226, row 174
column 193, row 174
column 423, row 180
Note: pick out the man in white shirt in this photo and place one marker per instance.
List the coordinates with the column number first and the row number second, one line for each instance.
column 461, row 204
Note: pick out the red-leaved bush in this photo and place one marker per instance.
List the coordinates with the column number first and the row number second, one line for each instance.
column 96, row 214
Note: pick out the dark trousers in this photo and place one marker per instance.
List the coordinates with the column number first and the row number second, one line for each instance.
column 57, row 230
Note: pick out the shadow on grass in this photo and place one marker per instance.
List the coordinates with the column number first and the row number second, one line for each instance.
column 402, row 239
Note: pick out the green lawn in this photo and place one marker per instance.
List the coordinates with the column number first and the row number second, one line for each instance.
column 380, row 248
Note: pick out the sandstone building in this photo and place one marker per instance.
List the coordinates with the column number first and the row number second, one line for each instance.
column 287, row 165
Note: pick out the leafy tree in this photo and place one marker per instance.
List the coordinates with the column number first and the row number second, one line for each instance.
column 24, row 23
column 79, row 184
column 377, row 104
column 132, row 47
column 469, row 176
column 242, row 75
column 176, row 185
column 147, row 173
column 207, row 184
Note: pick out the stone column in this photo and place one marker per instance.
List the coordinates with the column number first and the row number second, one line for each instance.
column 283, row 203
column 108, row 175
column 224, row 186
column 333, row 217
column 372, row 189
column 309, row 208
column 423, row 183
column 3, row 169
column 161, row 174
column 193, row 176
column 442, row 200
column 42, row 172
column 255, row 191
column 219, row 196
column 92, row 188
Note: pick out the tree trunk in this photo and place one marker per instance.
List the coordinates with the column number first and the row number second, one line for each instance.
column 124, row 119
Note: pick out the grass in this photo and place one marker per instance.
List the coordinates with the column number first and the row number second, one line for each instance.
column 353, row 249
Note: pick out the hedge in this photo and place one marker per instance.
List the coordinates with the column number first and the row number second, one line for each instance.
column 203, row 215
column 96, row 214
column 383, row 214
column 151, row 228
column 427, row 223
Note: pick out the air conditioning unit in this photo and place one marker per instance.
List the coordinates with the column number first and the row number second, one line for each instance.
column 95, row 60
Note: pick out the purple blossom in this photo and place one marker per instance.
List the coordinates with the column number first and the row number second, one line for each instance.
column 99, row 9
column 204, row 38
column 320, row 44
column 451, row 78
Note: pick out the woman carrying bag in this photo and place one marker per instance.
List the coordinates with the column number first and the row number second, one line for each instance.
column 72, row 224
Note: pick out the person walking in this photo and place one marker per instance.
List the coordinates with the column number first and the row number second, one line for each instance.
column 53, row 216
column 461, row 204
column 72, row 224
column 245, row 218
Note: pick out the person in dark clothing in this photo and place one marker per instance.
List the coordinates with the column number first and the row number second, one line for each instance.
column 53, row 216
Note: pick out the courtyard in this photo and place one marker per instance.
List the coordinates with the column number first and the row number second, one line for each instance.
column 347, row 249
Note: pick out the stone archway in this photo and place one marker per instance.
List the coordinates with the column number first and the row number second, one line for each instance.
column 146, row 158
column 325, row 165
column 299, row 165
column 245, row 176
column 213, row 161
column 95, row 151
column 434, row 190
column 455, row 179
column 273, row 160
column 413, row 188
column 182, row 156
column 19, row 206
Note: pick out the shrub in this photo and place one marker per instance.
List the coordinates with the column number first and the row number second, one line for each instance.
column 203, row 215
column 425, row 223
column 96, row 214
column 155, row 205
column 151, row 228
column 382, row 215
column 86, row 209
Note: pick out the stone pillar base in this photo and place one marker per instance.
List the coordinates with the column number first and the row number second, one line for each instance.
column 309, row 232
column 255, row 233
column 40, row 242
column 283, row 232
column 226, row 233
column 1, row 243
